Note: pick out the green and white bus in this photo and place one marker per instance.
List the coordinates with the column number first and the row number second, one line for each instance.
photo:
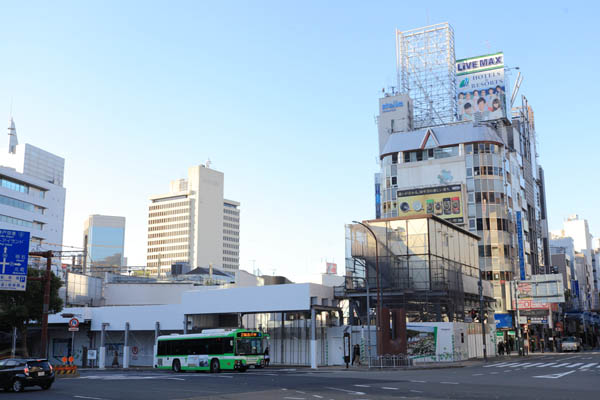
column 212, row 350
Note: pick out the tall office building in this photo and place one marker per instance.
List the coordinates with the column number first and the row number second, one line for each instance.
column 478, row 169
column 193, row 223
column 104, row 244
column 32, row 196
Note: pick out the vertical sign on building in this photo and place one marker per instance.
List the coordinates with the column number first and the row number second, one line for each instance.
column 480, row 88
column 14, row 253
column 520, row 239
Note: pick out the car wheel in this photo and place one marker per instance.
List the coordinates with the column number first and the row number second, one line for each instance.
column 214, row 366
column 46, row 386
column 176, row 366
column 17, row 386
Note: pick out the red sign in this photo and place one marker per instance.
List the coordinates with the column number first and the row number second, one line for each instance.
column 73, row 323
column 134, row 350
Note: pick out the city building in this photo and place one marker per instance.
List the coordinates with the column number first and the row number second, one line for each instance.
column 463, row 156
column 32, row 196
column 194, row 223
column 104, row 244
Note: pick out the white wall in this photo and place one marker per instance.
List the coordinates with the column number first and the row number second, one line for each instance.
column 123, row 294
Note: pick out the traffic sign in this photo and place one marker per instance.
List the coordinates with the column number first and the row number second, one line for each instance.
column 134, row 350
column 73, row 323
column 73, row 329
column 14, row 253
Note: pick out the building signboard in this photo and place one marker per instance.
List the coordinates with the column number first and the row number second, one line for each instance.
column 14, row 254
column 503, row 320
column 442, row 201
column 520, row 240
column 480, row 88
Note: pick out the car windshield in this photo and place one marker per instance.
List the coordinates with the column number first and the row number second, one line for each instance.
column 569, row 340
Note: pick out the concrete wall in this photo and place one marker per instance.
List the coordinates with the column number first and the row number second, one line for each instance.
column 121, row 294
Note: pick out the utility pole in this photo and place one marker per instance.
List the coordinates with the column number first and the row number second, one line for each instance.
column 482, row 317
column 517, row 324
column 46, row 304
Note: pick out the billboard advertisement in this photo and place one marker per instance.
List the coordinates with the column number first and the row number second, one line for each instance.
column 443, row 201
column 480, row 88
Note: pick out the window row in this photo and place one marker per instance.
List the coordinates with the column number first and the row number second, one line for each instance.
column 168, row 257
column 483, row 148
column 230, row 259
column 168, row 234
column 169, row 212
column 232, row 212
column 430, row 154
column 487, row 250
column 170, row 219
column 233, row 226
column 489, row 197
column 231, row 252
column 21, row 187
column 168, row 248
column 15, row 221
column 166, row 227
column 9, row 201
column 491, row 224
column 229, row 232
column 231, row 246
column 168, row 241
column 497, row 275
column 231, row 239
column 232, row 219
column 162, row 206
column 214, row 346
column 485, row 170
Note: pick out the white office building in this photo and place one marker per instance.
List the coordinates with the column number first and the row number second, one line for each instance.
column 193, row 223
column 32, row 196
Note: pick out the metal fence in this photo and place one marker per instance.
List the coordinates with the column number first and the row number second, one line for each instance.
column 390, row 361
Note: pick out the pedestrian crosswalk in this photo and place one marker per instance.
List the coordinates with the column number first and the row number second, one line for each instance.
column 527, row 365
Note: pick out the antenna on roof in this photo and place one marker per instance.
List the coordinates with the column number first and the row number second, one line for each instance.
column 208, row 163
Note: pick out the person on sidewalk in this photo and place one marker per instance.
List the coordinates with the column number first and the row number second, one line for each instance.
column 356, row 354
column 501, row 348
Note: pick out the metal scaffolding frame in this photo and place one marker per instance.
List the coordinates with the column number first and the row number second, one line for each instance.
column 425, row 64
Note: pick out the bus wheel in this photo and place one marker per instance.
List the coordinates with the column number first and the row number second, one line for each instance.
column 176, row 366
column 214, row 366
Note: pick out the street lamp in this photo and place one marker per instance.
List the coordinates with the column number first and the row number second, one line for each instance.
column 378, row 315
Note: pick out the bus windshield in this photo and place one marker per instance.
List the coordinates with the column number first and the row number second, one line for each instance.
column 249, row 346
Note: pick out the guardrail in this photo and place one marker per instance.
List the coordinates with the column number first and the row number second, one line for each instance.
column 390, row 361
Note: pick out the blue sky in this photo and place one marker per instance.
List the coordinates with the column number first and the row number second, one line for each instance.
column 281, row 96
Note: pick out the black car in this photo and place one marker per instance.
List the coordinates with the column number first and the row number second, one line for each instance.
column 18, row 373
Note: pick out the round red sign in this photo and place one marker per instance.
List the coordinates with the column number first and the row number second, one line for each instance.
column 73, row 323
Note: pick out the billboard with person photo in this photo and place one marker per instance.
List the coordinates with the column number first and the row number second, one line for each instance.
column 480, row 88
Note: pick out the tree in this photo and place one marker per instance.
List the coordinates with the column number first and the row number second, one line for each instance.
column 20, row 309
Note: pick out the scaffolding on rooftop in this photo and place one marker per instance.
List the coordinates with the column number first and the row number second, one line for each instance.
column 425, row 64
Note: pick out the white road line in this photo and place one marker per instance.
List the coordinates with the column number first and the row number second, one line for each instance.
column 574, row 365
column 598, row 366
column 449, row 383
column 477, row 374
column 494, row 373
column 87, row 397
column 495, row 365
column 590, row 365
column 511, row 364
column 389, row 388
column 317, row 396
column 298, row 391
column 545, row 365
column 426, row 382
column 533, row 365
column 345, row 390
column 560, row 365
column 294, row 398
column 416, row 391
column 522, row 365
column 365, row 386
column 554, row 376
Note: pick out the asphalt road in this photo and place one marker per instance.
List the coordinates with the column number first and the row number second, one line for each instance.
column 547, row 376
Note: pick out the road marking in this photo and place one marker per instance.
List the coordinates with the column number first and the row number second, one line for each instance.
column 365, row 386
column 426, row 382
column 545, row 365
column 554, row 376
column 317, row 396
column 522, row 365
column 511, row 364
column 477, row 374
column 495, row 365
column 560, row 365
column 346, row 390
column 389, row 388
column 533, row 365
column 449, row 383
column 574, row 365
column 416, row 391
column 590, row 365
column 87, row 397
column 294, row 398
column 494, row 373
column 298, row 391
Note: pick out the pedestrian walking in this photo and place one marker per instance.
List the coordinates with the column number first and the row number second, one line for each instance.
column 501, row 348
column 115, row 362
column 267, row 358
column 356, row 354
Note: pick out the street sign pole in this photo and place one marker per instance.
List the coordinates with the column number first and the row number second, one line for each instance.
column 46, row 305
